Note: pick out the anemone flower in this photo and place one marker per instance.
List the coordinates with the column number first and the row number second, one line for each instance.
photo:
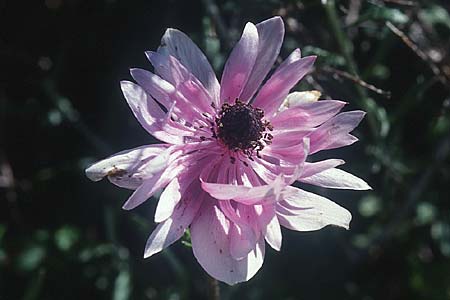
column 230, row 151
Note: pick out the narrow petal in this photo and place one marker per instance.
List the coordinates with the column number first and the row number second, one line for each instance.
column 130, row 168
column 310, row 169
column 239, row 65
column 335, row 132
column 276, row 89
column 151, row 116
column 172, row 229
column 305, row 211
column 168, row 200
column 151, row 186
column 211, row 246
column 184, row 49
column 157, row 87
column 270, row 33
column 336, row 179
column 273, row 234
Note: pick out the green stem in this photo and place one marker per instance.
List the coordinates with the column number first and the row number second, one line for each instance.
column 346, row 50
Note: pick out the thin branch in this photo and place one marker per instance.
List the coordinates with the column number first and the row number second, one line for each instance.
column 434, row 68
column 356, row 80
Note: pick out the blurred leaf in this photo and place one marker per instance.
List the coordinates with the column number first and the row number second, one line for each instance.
column 425, row 213
column 122, row 288
column 369, row 206
column 435, row 14
column 31, row 258
column 66, row 237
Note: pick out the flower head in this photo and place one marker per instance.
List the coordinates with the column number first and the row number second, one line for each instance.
column 231, row 151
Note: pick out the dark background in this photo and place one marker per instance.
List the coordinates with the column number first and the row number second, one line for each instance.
column 61, row 108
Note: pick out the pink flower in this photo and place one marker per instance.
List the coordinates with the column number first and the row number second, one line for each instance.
column 231, row 151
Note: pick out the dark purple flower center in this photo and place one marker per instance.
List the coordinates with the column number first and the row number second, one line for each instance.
column 240, row 126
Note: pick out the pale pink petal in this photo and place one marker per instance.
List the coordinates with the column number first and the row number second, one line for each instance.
column 307, row 115
column 239, row 65
column 172, row 229
column 151, row 116
column 275, row 90
column 242, row 241
column 168, row 67
column 305, row 211
column 335, row 132
column 210, row 236
column 181, row 47
column 273, row 234
column 168, row 200
column 336, row 179
column 246, row 195
column 270, row 33
column 151, row 186
column 310, row 169
column 157, row 87
column 130, row 168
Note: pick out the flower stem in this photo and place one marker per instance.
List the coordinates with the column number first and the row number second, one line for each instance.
column 213, row 288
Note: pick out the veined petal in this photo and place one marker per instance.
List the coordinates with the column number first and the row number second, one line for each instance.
column 308, row 211
column 275, row 90
column 210, row 236
column 270, row 33
column 336, row 179
column 239, row 65
column 181, row 46
column 172, row 229
column 335, row 132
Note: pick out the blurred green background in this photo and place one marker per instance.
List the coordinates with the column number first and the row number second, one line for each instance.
column 61, row 108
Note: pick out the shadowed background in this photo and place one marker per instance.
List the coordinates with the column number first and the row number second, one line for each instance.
column 61, row 108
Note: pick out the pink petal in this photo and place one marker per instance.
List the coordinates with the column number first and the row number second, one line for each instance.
column 306, row 115
column 210, row 236
column 270, row 33
column 335, row 132
column 275, row 90
column 239, row 65
column 130, row 168
column 243, row 194
column 310, row 169
column 181, row 47
column 151, row 117
column 336, row 179
column 305, row 211
column 157, row 87
column 172, row 229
